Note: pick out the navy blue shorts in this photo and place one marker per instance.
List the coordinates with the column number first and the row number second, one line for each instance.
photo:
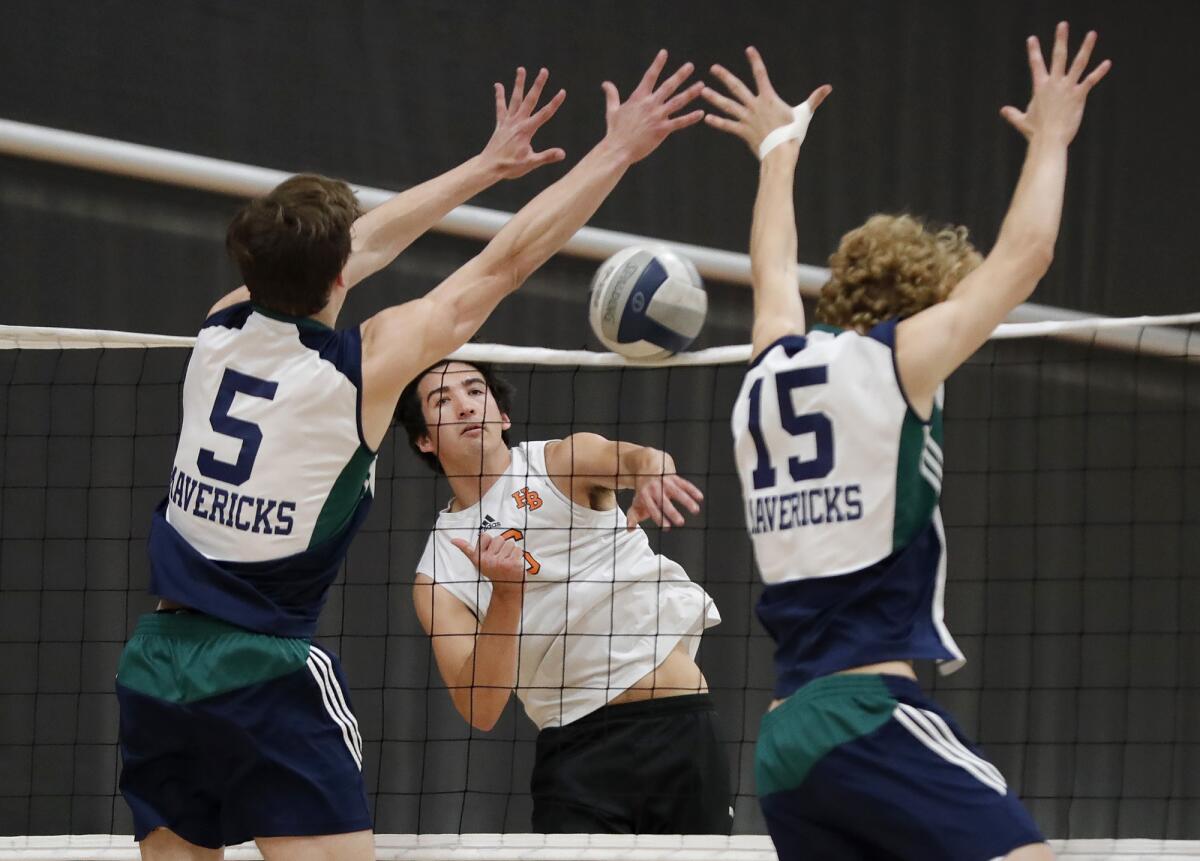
column 867, row 767
column 228, row 735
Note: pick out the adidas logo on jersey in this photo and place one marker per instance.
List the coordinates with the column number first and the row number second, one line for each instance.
column 489, row 522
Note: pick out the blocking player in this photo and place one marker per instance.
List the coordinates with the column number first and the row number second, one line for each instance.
column 535, row 580
column 234, row 725
column 838, row 441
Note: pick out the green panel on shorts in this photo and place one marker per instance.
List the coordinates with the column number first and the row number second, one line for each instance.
column 185, row 657
column 819, row 717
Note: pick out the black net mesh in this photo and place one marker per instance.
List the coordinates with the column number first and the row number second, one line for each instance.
column 1070, row 504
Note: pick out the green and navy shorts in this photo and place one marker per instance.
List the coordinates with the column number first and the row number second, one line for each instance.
column 868, row 767
column 228, row 735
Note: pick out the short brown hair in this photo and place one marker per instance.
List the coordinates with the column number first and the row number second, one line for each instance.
column 892, row 267
column 291, row 244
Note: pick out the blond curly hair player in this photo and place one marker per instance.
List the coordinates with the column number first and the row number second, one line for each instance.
column 838, row 443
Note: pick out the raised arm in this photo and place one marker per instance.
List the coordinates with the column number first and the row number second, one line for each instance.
column 400, row 342
column 477, row 659
column 932, row 344
column 583, row 463
column 778, row 310
column 381, row 234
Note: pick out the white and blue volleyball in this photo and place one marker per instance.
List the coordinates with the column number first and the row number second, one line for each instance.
column 647, row 302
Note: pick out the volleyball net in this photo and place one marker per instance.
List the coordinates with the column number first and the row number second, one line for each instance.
column 1072, row 462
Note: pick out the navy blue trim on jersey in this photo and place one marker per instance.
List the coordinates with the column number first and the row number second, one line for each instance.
column 232, row 317
column 343, row 350
column 282, row 596
column 792, row 344
column 885, row 333
column 822, row 625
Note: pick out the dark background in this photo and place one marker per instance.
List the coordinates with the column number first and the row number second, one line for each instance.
column 1072, row 528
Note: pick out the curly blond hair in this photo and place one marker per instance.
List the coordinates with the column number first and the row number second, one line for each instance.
column 892, row 266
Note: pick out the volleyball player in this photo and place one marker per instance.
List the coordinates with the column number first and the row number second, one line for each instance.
column 233, row 724
column 535, row 580
column 838, row 441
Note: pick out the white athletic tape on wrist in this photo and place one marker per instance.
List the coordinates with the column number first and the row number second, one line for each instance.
column 795, row 130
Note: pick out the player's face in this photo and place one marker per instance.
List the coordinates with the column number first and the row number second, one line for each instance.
column 460, row 412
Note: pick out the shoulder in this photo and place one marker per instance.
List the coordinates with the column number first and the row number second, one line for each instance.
column 228, row 316
column 565, row 456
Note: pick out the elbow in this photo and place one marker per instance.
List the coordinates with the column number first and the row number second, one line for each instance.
column 1032, row 254
column 1040, row 255
column 482, row 719
column 504, row 267
column 479, row 714
column 485, row 724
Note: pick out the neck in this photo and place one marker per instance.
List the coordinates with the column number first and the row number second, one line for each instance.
column 327, row 315
column 470, row 480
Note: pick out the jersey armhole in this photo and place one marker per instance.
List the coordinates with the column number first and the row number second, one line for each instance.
column 535, row 464
column 230, row 317
column 343, row 350
column 352, row 357
column 792, row 344
column 885, row 333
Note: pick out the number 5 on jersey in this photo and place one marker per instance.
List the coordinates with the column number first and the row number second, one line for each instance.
column 223, row 423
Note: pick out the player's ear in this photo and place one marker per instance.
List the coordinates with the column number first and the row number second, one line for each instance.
column 505, row 421
column 425, row 444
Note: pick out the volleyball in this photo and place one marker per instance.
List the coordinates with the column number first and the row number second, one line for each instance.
column 647, row 302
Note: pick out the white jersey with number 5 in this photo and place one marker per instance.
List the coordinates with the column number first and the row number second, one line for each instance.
column 271, row 477
column 840, row 480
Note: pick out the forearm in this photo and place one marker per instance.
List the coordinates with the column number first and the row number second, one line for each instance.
column 538, row 230
column 773, row 228
column 381, row 234
column 545, row 224
column 488, row 675
column 1030, row 227
column 636, row 461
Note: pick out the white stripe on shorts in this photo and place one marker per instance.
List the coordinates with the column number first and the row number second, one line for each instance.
column 943, row 729
column 327, row 699
column 339, row 697
column 917, row 723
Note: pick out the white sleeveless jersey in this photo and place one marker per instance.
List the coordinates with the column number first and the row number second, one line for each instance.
column 840, row 481
column 271, row 459
column 601, row 611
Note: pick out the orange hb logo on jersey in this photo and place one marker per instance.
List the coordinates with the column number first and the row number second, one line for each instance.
column 526, row 498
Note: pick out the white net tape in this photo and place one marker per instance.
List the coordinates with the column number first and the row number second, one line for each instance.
column 558, row 847
column 1150, row 335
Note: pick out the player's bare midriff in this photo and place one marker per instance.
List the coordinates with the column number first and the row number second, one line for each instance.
column 886, row 668
column 675, row 676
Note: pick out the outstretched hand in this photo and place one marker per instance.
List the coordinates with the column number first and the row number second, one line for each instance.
column 1059, row 95
column 655, row 497
column 753, row 116
column 510, row 148
column 645, row 119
